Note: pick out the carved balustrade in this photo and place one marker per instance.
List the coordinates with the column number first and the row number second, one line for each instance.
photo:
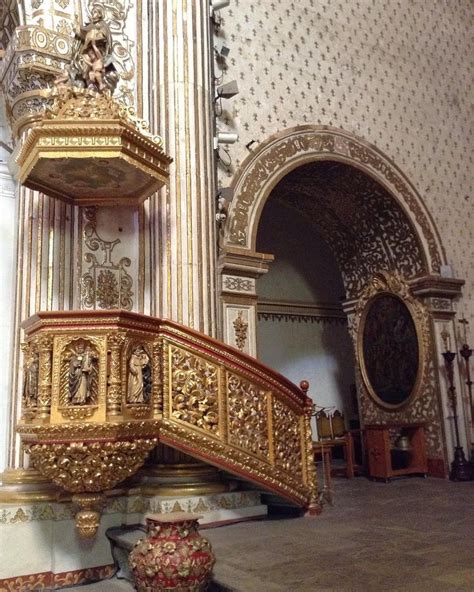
column 102, row 388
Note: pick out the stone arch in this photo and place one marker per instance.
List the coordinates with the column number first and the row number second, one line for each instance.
column 265, row 171
column 301, row 145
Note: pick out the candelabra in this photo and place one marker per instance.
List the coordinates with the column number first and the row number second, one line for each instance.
column 466, row 353
column 460, row 468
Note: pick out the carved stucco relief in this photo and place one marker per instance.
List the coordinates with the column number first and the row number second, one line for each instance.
column 424, row 405
column 302, row 145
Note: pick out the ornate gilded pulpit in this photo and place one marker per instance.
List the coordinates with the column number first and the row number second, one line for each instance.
column 102, row 388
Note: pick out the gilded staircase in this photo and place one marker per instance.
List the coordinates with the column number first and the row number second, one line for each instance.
column 103, row 388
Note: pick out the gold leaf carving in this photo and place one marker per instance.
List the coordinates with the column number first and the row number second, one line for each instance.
column 93, row 467
column 247, row 416
column 194, row 390
column 287, row 438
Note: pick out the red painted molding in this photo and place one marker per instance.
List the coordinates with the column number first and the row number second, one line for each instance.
column 437, row 468
column 48, row 580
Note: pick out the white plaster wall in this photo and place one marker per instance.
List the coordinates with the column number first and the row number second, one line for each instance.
column 318, row 352
column 304, row 270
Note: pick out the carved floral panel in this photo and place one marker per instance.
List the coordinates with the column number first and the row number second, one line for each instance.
column 194, row 390
column 287, row 438
column 247, row 416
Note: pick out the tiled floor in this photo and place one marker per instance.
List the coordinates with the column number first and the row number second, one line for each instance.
column 411, row 535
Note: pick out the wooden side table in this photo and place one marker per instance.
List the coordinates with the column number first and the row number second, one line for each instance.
column 381, row 451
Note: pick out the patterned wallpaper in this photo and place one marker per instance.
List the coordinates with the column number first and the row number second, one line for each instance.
column 395, row 73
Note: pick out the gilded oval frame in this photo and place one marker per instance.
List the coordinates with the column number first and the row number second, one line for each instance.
column 361, row 353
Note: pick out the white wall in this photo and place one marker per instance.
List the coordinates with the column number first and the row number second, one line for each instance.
column 303, row 347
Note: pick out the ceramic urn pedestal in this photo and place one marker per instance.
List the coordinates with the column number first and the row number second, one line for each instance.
column 173, row 556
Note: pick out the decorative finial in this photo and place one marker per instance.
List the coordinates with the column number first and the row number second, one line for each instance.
column 464, row 322
column 446, row 337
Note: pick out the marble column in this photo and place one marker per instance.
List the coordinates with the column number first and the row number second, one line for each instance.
column 178, row 225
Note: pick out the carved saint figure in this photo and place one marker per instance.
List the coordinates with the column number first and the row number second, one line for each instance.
column 30, row 387
column 80, row 374
column 139, row 376
column 92, row 63
column 97, row 33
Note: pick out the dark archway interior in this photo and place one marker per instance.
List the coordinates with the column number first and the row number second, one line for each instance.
column 360, row 221
column 330, row 227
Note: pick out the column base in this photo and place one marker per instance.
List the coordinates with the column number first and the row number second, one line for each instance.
column 29, row 486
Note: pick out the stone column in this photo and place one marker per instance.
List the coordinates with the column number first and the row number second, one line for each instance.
column 179, row 223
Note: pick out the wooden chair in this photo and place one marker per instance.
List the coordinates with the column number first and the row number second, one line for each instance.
column 332, row 430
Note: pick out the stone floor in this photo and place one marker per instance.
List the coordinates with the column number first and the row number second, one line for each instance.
column 411, row 535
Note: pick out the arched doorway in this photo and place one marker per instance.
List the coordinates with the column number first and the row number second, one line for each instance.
column 372, row 219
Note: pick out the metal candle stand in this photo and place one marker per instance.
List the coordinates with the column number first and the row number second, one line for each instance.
column 461, row 470
column 466, row 353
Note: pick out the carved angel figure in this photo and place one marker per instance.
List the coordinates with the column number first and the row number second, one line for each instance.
column 139, row 376
column 80, row 374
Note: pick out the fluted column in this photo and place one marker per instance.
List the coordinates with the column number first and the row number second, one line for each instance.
column 179, row 223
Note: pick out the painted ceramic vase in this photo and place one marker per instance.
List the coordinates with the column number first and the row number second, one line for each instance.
column 173, row 556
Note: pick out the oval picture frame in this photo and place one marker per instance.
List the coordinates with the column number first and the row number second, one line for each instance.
column 390, row 350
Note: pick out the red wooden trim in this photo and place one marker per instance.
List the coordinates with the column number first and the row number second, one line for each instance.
column 48, row 580
column 437, row 468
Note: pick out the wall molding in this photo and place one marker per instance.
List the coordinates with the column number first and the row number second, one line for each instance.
column 301, row 312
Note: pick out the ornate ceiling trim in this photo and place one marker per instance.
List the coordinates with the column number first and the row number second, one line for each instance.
column 290, row 149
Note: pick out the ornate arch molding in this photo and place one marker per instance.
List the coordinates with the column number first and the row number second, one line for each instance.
column 282, row 153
